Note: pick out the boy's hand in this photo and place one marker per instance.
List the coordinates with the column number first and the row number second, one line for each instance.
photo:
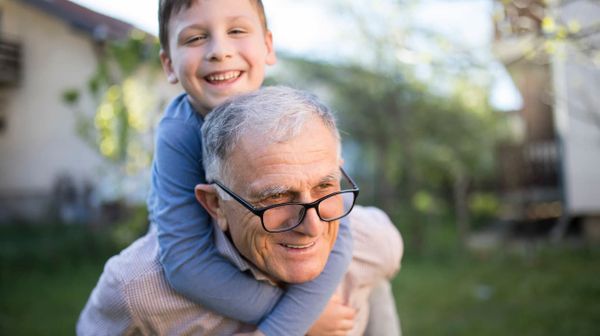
column 336, row 320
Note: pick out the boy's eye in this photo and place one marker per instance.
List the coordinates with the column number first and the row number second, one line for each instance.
column 237, row 31
column 194, row 38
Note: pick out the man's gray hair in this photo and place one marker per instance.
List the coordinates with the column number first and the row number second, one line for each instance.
column 275, row 113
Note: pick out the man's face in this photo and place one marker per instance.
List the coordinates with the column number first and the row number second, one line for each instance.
column 300, row 170
column 217, row 49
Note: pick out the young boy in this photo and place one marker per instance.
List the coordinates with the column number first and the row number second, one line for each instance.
column 217, row 49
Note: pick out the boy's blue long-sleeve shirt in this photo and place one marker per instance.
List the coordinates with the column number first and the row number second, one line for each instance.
column 187, row 252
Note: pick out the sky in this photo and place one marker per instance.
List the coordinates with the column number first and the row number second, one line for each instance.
column 288, row 21
column 287, row 18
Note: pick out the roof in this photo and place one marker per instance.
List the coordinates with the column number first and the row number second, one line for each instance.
column 99, row 26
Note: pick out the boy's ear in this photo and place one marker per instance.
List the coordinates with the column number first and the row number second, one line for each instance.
column 271, row 56
column 167, row 66
column 206, row 194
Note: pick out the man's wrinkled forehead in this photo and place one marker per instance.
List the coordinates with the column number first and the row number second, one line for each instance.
column 254, row 142
column 266, row 189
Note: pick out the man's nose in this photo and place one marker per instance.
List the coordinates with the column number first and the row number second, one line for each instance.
column 219, row 48
column 311, row 225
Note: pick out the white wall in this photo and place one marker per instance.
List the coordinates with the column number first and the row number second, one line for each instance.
column 577, row 86
column 39, row 141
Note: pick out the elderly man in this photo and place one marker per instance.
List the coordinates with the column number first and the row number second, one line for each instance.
column 277, row 193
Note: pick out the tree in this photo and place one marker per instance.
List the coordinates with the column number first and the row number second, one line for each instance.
column 553, row 31
column 411, row 145
column 123, row 92
column 420, row 140
column 550, row 23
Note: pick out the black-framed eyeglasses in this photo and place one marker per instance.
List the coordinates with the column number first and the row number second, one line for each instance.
column 287, row 216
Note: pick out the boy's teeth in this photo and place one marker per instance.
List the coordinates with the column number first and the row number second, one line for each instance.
column 224, row 76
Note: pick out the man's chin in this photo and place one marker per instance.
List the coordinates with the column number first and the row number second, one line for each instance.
column 301, row 279
column 302, row 273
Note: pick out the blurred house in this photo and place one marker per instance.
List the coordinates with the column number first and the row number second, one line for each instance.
column 551, row 175
column 46, row 48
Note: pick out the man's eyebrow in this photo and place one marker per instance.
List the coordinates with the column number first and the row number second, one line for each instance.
column 333, row 176
column 268, row 191
column 281, row 189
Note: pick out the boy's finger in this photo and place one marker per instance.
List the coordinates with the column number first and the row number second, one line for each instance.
column 336, row 298
column 346, row 325
column 346, row 312
column 343, row 328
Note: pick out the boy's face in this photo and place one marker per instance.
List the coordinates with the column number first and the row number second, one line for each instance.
column 217, row 49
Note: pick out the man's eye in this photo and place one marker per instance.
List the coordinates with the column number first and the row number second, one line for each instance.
column 275, row 199
column 326, row 186
column 278, row 196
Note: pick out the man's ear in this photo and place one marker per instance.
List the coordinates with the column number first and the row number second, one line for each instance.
column 167, row 65
column 206, row 194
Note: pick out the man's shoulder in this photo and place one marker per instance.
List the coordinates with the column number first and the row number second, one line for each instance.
column 139, row 260
column 377, row 241
column 373, row 223
column 133, row 293
column 139, row 273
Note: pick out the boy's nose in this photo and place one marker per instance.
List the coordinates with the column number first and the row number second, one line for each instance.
column 218, row 50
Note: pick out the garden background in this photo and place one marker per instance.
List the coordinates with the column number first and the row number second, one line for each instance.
column 449, row 124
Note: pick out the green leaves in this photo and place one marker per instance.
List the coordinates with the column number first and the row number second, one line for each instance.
column 122, row 90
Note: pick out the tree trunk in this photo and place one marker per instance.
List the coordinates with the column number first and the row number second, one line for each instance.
column 461, row 208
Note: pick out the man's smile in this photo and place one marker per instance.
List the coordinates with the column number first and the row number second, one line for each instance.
column 298, row 246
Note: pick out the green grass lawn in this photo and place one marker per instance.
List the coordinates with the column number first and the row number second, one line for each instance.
column 553, row 292
column 45, row 302
column 46, row 275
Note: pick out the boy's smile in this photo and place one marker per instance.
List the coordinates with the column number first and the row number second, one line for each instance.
column 226, row 77
column 217, row 49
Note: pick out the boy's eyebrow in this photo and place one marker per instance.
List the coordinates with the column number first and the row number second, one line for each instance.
column 239, row 17
column 194, row 27
column 197, row 26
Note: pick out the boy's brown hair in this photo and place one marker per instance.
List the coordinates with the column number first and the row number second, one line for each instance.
column 166, row 9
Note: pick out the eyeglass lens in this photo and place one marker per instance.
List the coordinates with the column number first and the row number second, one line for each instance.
column 287, row 216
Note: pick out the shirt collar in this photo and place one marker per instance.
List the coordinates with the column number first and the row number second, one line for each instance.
column 228, row 250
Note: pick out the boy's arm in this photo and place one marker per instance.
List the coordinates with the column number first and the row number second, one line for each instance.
column 303, row 303
column 188, row 254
